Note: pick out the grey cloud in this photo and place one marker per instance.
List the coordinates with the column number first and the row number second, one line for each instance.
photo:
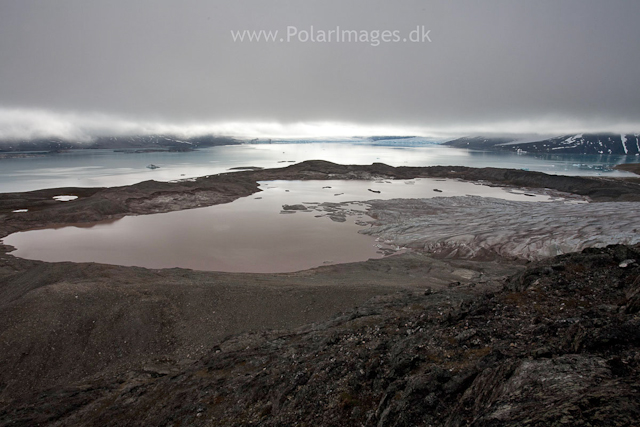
column 541, row 64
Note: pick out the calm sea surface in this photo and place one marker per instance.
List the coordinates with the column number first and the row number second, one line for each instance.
column 106, row 168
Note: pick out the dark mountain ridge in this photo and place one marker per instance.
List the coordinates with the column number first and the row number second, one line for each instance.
column 159, row 142
column 587, row 143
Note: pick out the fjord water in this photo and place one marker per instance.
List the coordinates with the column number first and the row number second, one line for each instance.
column 247, row 235
column 106, row 168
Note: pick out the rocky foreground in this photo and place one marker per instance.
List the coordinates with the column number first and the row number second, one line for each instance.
column 555, row 345
column 422, row 338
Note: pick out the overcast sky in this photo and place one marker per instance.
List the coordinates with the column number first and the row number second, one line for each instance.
column 75, row 67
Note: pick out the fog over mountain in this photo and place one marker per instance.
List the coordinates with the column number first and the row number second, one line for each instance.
column 74, row 69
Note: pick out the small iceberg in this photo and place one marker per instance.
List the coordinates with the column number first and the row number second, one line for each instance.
column 20, row 210
column 64, row 198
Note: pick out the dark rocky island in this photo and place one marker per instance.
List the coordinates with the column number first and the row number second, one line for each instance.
column 413, row 339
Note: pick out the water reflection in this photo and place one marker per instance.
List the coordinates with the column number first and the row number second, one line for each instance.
column 106, row 168
column 249, row 234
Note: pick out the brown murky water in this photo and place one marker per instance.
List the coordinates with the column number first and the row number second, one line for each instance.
column 247, row 235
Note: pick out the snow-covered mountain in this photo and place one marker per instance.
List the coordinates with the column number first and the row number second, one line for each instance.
column 587, row 143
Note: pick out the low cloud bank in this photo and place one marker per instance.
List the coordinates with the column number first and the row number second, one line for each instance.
column 30, row 124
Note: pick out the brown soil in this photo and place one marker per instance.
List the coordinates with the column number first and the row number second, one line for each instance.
column 557, row 344
column 629, row 167
column 77, row 339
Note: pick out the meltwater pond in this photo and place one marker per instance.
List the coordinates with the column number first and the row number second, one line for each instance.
column 252, row 234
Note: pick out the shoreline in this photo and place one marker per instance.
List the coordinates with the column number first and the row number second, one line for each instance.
column 96, row 204
column 68, row 323
column 277, row 242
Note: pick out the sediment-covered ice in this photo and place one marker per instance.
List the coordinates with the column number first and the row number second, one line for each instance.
column 474, row 226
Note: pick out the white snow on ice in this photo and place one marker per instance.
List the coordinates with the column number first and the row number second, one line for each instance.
column 65, row 198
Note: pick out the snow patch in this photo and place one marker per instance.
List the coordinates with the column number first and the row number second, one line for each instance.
column 573, row 139
column 623, row 138
column 64, row 198
column 527, row 138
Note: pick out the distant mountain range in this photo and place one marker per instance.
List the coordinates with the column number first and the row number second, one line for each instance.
column 388, row 137
column 141, row 142
column 587, row 143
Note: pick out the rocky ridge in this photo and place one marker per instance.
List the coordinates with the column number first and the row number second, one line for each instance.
column 554, row 345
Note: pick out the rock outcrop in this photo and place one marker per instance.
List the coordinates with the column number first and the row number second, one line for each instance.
column 557, row 344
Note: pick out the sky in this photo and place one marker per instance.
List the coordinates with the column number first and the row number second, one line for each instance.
column 76, row 69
